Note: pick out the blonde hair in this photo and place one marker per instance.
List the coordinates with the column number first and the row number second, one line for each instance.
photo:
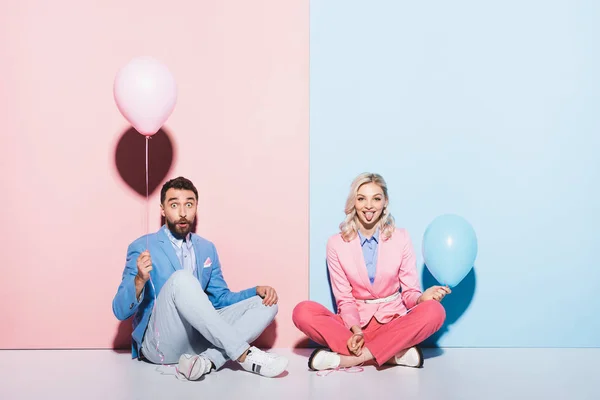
column 349, row 227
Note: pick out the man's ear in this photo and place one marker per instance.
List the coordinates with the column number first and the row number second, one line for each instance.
column 162, row 211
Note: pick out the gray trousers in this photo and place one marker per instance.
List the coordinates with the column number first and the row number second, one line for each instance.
column 185, row 321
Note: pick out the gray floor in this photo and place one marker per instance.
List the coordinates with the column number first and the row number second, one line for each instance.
column 447, row 374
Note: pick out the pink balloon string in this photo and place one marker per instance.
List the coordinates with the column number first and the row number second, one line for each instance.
column 147, row 198
column 177, row 374
column 162, row 358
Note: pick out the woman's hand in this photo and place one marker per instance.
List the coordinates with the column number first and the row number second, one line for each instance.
column 355, row 343
column 434, row 293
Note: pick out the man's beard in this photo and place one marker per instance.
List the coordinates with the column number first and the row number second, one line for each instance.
column 178, row 232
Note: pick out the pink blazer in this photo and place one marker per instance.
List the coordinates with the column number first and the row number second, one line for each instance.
column 396, row 268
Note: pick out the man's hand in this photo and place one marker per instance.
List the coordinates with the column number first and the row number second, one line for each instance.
column 144, row 266
column 268, row 294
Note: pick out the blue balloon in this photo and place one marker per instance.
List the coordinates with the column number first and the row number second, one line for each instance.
column 449, row 249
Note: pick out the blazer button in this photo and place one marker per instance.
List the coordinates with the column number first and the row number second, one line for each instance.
column 131, row 306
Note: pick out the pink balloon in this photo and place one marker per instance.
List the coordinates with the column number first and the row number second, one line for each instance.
column 145, row 93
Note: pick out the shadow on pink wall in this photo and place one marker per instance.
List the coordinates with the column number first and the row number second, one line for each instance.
column 130, row 161
column 122, row 339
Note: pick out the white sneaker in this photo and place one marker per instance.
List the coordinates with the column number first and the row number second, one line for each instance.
column 192, row 367
column 263, row 363
column 413, row 357
column 322, row 359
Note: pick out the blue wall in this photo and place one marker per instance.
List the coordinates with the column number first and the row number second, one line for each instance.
column 489, row 110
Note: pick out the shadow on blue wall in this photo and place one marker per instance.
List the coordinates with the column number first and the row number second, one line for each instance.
column 333, row 302
column 456, row 303
column 310, row 343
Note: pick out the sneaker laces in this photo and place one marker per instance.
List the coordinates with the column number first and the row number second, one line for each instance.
column 259, row 356
column 178, row 374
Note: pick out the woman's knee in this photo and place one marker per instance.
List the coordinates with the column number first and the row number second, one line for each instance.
column 436, row 314
column 304, row 311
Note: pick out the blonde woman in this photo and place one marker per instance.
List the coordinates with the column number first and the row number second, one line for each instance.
column 382, row 312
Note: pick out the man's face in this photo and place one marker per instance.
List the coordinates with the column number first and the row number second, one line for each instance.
column 179, row 210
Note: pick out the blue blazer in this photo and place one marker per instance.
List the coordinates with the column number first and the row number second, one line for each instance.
column 164, row 263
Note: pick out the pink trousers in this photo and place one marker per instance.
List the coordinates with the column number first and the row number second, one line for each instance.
column 383, row 340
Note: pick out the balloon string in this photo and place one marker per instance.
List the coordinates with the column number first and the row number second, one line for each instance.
column 162, row 358
column 147, row 200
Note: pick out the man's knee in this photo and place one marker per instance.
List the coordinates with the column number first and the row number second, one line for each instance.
column 182, row 276
column 183, row 280
column 270, row 311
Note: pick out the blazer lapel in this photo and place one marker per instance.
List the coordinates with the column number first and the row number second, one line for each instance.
column 198, row 255
column 359, row 262
column 381, row 263
column 167, row 247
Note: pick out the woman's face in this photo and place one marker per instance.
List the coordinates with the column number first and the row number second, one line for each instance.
column 369, row 204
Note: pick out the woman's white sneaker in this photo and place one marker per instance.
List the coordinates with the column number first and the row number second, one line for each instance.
column 322, row 359
column 263, row 363
column 412, row 357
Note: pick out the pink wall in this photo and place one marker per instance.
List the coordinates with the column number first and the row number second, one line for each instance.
column 239, row 132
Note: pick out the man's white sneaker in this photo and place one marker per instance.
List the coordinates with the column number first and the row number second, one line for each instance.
column 263, row 363
column 413, row 357
column 192, row 367
column 322, row 359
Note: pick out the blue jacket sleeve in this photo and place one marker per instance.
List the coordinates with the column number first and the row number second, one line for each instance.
column 125, row 303
column 217, row 290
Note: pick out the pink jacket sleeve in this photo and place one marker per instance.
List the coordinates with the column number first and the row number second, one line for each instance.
column 409, row 281
column 342, row 290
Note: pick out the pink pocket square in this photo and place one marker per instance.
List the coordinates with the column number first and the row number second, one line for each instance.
column 207, row 263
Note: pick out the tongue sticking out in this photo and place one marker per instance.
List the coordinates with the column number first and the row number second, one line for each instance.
column 369, row 215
